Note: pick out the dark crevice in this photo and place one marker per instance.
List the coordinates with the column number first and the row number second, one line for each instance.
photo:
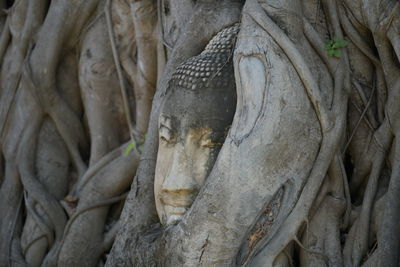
column 348, row 165
column 166, row 8
column 9, row 3
column 2, row 168
column 47, row 7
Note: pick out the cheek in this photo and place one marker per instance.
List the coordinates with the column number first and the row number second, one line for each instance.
column 205, row 159
column 164, row 162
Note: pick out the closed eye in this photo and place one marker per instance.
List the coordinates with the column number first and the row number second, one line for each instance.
column 163, row 139
column 210, row 143
column 215, row 139
column 165, row 134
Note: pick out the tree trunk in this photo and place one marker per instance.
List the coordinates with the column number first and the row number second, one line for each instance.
column 101, row 102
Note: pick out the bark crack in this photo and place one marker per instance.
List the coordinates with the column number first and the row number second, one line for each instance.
column 203, row 248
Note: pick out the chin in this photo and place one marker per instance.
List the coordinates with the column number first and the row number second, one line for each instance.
column 173, row 214
column 173, row 218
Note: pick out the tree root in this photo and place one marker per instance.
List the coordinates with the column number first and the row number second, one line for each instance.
column 51, row 171
column 145, row 76
column 36, row 34
column 20, row 42
column 390, row 231
column 42, row 66
column 99, row 165
column 332, row 129
column 117, row 63
column 296, row 59
column 101, row 97
column 141, row 198
column 34, row 189
column 4, row 39
column 113, row 179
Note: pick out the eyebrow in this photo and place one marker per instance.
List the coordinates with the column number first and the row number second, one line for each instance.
column 162, row 125
column 163, row 121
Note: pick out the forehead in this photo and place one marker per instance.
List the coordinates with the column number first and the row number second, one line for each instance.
column 193, row 109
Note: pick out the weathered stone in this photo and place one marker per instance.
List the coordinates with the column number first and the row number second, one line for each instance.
column 215, row 61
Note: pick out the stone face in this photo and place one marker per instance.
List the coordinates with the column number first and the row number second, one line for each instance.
column 193, row 125
column 212, row 67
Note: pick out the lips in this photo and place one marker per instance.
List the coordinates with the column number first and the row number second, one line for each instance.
column 169, row 209
column 177, row 199
column 175, row 208
column 176, row 204
column 174, row 213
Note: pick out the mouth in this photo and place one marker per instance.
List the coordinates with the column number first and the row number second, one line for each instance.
column 175, row 210
column 177, row 203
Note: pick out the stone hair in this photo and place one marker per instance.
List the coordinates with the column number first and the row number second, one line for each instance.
column 213, row 68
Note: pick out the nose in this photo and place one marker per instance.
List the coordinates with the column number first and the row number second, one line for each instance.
column 180, row 178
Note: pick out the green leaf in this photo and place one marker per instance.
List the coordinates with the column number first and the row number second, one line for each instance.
column 337, row 53
column 333, row 45
column 129, row 148
column 328, row 45
column 140, row 148
column 340, row 44
column 138, row 145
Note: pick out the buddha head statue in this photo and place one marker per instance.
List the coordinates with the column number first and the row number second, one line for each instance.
column 193, row 124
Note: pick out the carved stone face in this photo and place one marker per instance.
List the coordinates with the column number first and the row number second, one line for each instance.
column 192, row 128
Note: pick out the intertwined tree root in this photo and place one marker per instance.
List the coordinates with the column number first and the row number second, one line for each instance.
column 65, row 125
